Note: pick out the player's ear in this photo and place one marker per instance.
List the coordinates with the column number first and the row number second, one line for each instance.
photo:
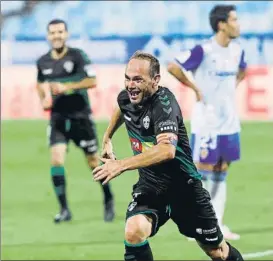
column 222, row 26
column 157, row 79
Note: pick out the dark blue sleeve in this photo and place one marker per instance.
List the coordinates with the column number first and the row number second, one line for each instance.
column 190, row 60
column 243, row 63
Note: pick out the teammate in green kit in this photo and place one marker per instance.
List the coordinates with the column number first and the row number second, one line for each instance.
column 64, row 75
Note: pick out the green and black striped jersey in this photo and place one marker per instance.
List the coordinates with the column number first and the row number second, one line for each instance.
column 158, row 114
column 73, row 67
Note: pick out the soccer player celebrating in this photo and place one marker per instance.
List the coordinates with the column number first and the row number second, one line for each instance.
column 218, row 66
column 169, row 184
column 64, row 75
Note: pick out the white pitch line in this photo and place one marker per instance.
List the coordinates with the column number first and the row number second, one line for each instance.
column 258, row 254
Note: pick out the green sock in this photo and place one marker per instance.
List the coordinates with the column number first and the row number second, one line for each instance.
column 138, row 252
column 58, row 179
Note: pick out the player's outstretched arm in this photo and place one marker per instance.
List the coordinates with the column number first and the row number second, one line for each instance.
column 115, row 122
column 163, row 151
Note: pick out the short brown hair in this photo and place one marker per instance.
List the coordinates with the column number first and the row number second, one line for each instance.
column 154, row 63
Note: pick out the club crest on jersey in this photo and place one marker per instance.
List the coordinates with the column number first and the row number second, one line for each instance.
column 68, row 66
column 146, row 122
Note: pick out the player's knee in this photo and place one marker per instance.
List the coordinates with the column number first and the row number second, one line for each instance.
column 93, row 161
column 58, row 154
column 57, row 162
column 137, row 230
column 57, row 159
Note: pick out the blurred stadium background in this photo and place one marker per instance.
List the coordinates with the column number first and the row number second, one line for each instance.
column 110, row 32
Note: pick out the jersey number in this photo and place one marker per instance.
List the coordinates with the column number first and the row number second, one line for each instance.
column 209, row 141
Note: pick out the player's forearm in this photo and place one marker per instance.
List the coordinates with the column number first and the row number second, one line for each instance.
column 157, row 154
column 40, row 92
column 176, row 71
column 44, row 95
column 86, row 83
column 115, row 122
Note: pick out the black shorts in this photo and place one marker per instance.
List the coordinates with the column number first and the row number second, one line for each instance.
column 187, row 205
column 81, row 131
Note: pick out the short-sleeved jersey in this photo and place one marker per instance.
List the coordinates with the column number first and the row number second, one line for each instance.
column 215, row 71
column 73, row 67
column 159, row 114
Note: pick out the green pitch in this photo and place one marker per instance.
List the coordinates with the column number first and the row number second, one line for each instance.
column 29, row 204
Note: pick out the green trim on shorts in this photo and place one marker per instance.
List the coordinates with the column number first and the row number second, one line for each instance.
column 136, row 245
column 58, row 142
column 141, row 212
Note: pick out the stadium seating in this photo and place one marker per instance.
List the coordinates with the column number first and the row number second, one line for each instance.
column 101, row 18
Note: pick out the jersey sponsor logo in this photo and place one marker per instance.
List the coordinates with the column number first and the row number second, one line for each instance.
column 87, row 143
column 168, row 128
column 47, row 71
column 167, row 125
column 68, row 66
column 132, row 206
column 225, row 74
column 211, row 239
column 92, row 148
column 210, row 231
column 146, row 122
column 207, row 231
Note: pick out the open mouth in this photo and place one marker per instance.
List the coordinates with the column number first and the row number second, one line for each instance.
column 134, row 94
